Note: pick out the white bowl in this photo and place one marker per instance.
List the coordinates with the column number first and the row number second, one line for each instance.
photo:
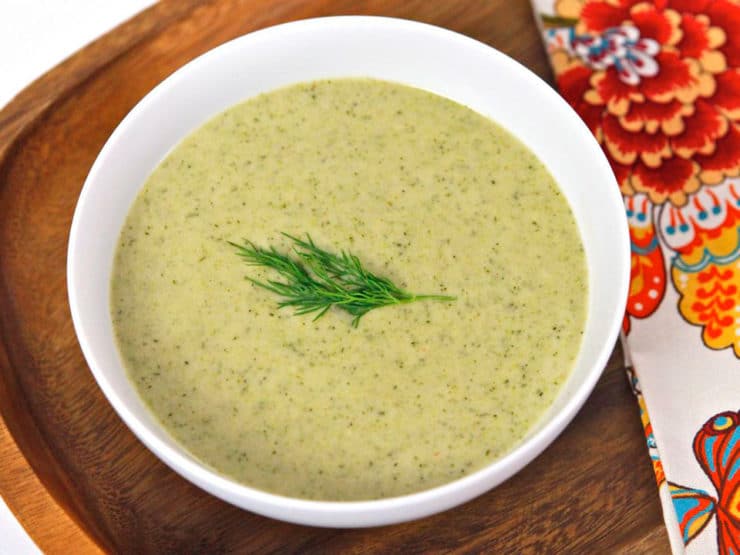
column 420, row 55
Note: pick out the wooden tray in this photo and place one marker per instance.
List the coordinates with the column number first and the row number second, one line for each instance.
column 74, row 475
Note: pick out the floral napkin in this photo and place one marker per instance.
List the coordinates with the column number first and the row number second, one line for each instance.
column 658, row 84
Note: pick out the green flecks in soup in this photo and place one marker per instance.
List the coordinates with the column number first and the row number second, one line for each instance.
column 425, row 192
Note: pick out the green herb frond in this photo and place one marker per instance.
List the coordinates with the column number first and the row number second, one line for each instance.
column 314, row 280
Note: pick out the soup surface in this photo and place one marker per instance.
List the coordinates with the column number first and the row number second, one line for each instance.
column 424, row 191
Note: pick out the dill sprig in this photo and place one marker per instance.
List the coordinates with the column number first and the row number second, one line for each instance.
column 315, row 280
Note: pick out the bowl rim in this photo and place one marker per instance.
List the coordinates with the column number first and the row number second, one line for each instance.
column 348, row 513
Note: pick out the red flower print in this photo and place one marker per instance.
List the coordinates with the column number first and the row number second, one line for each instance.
column 657, row 84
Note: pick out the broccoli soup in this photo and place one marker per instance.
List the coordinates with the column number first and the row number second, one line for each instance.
column 338, row 198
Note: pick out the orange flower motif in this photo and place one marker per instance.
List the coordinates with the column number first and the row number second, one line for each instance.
column 647, row 427
column 659, row 86
column 705, row 237
column 647, row 271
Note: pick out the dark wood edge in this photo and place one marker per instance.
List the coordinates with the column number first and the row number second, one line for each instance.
column 18, row 118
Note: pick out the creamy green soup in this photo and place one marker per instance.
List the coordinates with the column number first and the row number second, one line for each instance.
column 425, row 192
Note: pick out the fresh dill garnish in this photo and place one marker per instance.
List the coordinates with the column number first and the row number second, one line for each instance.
column 315, row 280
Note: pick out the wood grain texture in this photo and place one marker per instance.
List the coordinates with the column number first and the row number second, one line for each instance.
column 74, row 473
column 51, row 527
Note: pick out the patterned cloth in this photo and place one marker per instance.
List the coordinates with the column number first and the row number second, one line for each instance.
column 658, row 84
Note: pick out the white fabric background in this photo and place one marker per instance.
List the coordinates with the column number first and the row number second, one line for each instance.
column 35, row 35
column 683, row 384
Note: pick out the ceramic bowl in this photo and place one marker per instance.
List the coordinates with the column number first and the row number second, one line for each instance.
column 416, row 54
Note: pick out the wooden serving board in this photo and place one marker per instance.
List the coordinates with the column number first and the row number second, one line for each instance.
column 70, row 470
